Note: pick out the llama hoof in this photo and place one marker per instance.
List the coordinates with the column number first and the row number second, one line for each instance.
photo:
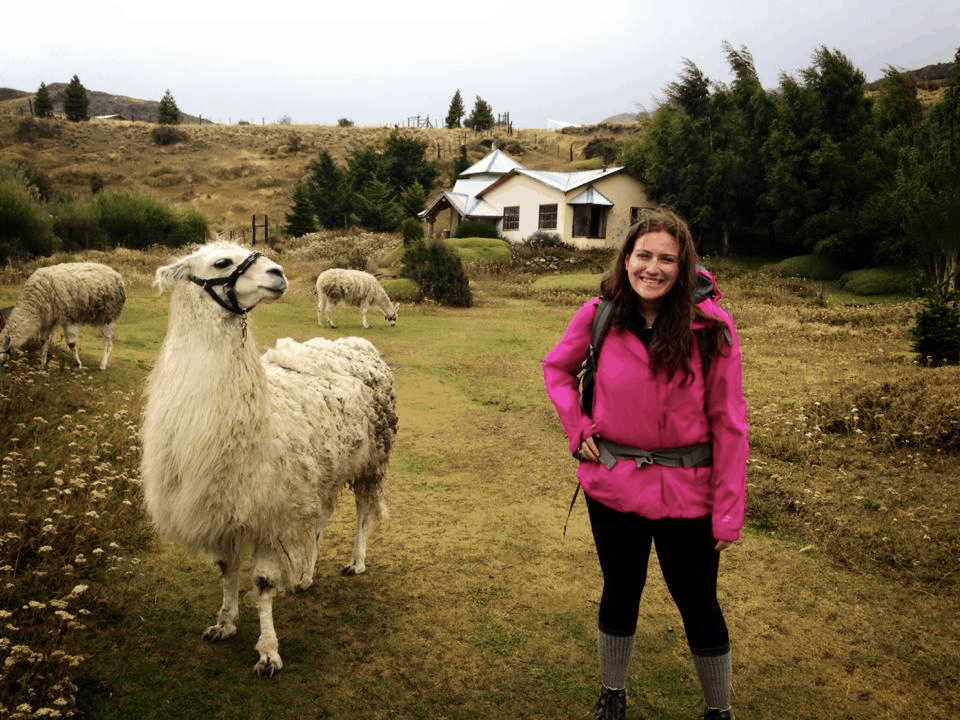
column 268, row 665
column 219, row 632
column 354, row 569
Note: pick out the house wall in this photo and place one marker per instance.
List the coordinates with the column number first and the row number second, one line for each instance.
column 621, row 189
column 625, row 192
column 529, row 195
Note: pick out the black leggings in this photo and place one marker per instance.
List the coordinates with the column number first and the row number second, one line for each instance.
column 688, row 560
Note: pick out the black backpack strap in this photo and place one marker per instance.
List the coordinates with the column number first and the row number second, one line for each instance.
column 601, row 323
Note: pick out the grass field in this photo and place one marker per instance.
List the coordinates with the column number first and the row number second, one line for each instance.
column 842, row 596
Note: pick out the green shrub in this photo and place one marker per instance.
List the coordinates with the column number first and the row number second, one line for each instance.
column 402, row 290
column 412, row 231
column 25, row 227
column 168, row 135
column 877, row 281
column 439, row 272
column 136, row 221
column 481, row 249
column 936, row 334
column 77, row 224
column 809, row 267
column 475, row 228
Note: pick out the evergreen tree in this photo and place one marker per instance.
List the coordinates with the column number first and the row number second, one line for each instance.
column 377, row 208
column 168, row 112
column 300, row 219
column 42, row 104
column 456, row 112
column 481, row 117
column 412, row 199
column 75, row 101
column 329, row 189
column 403, row 163
column 928, row 191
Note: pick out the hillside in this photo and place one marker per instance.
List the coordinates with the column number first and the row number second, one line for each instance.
column 231, row 172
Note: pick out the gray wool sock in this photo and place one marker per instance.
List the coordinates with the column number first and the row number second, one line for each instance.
column 715, row 673
column 615, row 652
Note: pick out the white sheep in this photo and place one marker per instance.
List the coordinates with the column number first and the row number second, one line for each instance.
column 353, row 287
column 243, row 453
column 68, row 295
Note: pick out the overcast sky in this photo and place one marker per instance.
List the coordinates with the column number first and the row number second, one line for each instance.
column 381, row 62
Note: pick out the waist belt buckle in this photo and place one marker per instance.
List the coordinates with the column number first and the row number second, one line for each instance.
column 644, row 459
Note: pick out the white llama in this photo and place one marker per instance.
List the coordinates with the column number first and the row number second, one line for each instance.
column 243, row 453
column 67, row 295
column 353, row 287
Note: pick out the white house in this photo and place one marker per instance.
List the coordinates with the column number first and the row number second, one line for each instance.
column 586, row 208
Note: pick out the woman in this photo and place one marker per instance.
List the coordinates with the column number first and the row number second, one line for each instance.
column 668, row 382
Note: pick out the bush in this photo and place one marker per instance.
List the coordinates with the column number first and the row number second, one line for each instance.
column 77, row 224
column 412, row 231
column 168, row 135
column 25, row 228
column 481, row 250
column 344, row 122
column 877, row 281
column 136, row 222
column 809, row 267
column 936, row 334
column 604, row 148
column 475, row 228
column 439, row 272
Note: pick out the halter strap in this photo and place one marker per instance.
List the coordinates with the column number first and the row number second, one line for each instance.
column 230, row 283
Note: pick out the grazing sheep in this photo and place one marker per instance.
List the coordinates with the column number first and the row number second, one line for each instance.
column 354, row 287
column 243, row 453
column 69, row 295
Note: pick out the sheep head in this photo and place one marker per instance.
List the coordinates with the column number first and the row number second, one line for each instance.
column 237, row 278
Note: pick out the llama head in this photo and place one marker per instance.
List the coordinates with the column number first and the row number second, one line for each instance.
column 392, row 318
column 237, row 278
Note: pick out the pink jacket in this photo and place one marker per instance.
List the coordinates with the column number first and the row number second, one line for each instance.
column 634, row 407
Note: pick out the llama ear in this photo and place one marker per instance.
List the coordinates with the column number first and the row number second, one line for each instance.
column 167, row 275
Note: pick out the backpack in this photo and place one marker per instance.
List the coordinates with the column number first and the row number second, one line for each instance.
column 601, row 323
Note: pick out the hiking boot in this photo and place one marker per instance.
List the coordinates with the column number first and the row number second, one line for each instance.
column 714, row 714
column 612, row 705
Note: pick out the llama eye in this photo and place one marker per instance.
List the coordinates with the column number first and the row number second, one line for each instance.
column 223, row 263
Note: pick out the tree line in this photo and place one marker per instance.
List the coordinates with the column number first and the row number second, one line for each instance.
column 376, row 190
column 817, row 166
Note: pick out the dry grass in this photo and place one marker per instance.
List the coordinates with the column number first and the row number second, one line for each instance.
column 231, row 172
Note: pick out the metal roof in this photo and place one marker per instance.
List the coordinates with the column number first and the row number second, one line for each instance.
column 590, row 196
column 496, row 163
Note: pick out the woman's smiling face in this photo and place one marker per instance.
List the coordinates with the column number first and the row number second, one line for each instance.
column 653, row 267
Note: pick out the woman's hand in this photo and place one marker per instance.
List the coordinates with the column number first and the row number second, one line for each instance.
column 589, row 452
column 723, row 544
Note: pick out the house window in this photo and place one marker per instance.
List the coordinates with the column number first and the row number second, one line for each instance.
column 634, row 215
column 511, row 217
column 548, row 217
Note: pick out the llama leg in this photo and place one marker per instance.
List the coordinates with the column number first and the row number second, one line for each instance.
column 331, row 306
column 306, row 577
column 229, row 564
column 266, row 577
column 370, row 509
column 109, row 333
column 44, row 347
column 364, row 306
column 71, row 333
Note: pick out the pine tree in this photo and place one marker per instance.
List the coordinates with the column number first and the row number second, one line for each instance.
column 168, row 113
column 42, row 104
column 456, row 112
column 75, row 101
column 300, row 219
column 481, row 118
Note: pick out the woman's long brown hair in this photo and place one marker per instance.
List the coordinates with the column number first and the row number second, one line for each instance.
column 672, row 342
